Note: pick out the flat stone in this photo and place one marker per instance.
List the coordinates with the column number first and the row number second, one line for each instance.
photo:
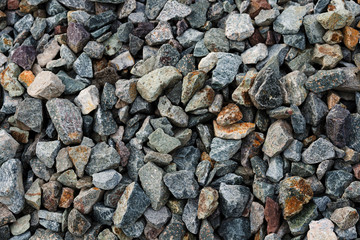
column 345, row 217
column 160, row 34
column 175, row 114
column 215, row 40
column 46, row 85
column 8, row 80
column 290, row 20
column 152, row 84
column 106, row 180
column 11, row 185
column 67, row 120
column 255, row 54
column 151, row 178
column 185, row 188
column 321, row 229
column 235, row 228
column 294, row 193
column 24, row 56
column 230, row 205
column 189, row 216
column 47, row 151
column 223, row 74
column 336, row 182
column 102, row 157
column 173, row 10
column 238, row 27
column 334, row 20
column 131, row 205
column 318, row 151
column 162, row 142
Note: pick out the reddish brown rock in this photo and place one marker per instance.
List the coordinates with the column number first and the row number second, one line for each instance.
column 272, row 215
column 13, row 4
column 143, row 29
column 256, row 6
column 124, row 153
column 356, row 169
column 60, row 29
column 51, row 195
column 256, row 38
column 270, row 38
column 67, row 197
column 251, row 147
column 351, row 37
column 229, row 114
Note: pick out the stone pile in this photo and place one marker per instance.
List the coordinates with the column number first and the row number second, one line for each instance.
column 179, row 119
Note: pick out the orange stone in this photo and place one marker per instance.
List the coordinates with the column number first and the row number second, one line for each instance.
column 66, row 198
column 233, row 131
column 205, row 157
column 332, row 99
column 351, row 37
column 307, row 141
column 26, row 78
column 229, row 114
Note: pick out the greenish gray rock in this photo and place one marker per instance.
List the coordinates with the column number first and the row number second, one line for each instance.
column 223, row 149
column 107, row 179
column 47, row 151
column 182, row 184
column 325, row 80
column 216, row 41
column 104, row 123
column 299, row 224
column 313, row 29
column 275, row 171
column 233, row 199
column 318, row 151
column 336, row 182
column 290, row 20
column 102, row 157
column 235, row 229
column 314, row 109
column 225, row 70
column 83, row 66
column 197, row 17
column 162, row 142
column 8, row 146
column 175, row 114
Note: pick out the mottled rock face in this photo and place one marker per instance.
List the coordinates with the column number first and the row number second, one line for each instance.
column 77, row 37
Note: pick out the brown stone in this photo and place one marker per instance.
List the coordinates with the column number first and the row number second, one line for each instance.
column 233, row 131
column 208, row 202
column 86, row 199
column 51, row 195
column 332, row 99
column 256, row 38
column 25, row 7
column 307, row 141
column 251, row 147
column 60, row 29
column 256, row 6
column 26, row 78
column 351, row 37
column 152, row 232
column 124, row 153
column 272, row 215
column 229, row 114
column 6, row 215
column 270, row 38
column 205, row 157
column 67, row 197
column 79, row 156
column 13, row 4
column 77, row 223
column 19, row 135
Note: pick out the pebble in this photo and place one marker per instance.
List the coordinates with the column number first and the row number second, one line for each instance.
column 318, row 151
column 185, row 189
column 345, row 217
column 238, row 27
column 173, row 10
column 8, row 80
column 290, row 20
column 46, row 85
column 320, row 229
column 255, row 54
column 106, row 180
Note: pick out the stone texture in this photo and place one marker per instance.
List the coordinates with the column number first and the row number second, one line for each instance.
column 238, row 27
column 278, row 138
column 185, row 188
column 46, row 85
column 345, row 217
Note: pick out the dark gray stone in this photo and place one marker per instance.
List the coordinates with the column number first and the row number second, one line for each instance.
column 182, row 184
column 223, row 149
column 337, row 125
column 189, row 216
column 102, row 157
column 187, row 158
column 235, row 229
column 318, row 151
column 104, row 123
column 314, row 109
column 336, row 182
column 233, row 199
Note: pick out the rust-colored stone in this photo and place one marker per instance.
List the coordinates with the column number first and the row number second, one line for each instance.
column 26, row 78
column 51, row 195
column 13, row 4
column 208, row 202
column 205, row 157
column 25, row 7
column 351, row 37
column 256, row 6
column 307, row 141
column 19, row 135
column 272, row 215
column 229, row 114
column 66, row 198
column 256, row 38
column 233, row 131
column 332, row 99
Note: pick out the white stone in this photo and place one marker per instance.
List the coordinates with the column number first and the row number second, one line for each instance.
column 50, row 51
column 88, row 99
column 124, row 60
column 238, row 27
column 255, row 54
column 321, row 229
column 46, row 85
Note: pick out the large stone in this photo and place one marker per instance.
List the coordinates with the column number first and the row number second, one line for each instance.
column 8, row 80
column 318, row 151
column 8, row 146
column 222, row 150
column 77, row 37
column 321, row 229
column 290, row 20
column 29, row 114
column 67, row 120
column 334, row 20
column 227, row 65
column 233, row 199
column 235, row 229
column 151, row 178
column 46, row 85
column 152, row 84
column 238, row 27
column 102, row 157
column 294, row 193
column 325, row 80
column 278, row 138
column 77, row 223
column 131, row 206
column 182, row 184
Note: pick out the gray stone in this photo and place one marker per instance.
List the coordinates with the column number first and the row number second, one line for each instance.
column 29, row 114
column 160, row 159
column 354, row 135
column 336, row 182
column 77, row 223
column 21, row 225
column 293, row 152
column 313, row 29
column 345, row 217
column 175, row 114
column 8, row 146
column 216, row 41
column 349, row 233
column 290, row 20
column 67, row 120
column 25, row 23
column 235, row 229
column 122, row 61
column 160, row 34
column 223, row 149
column 255, row 54
column 153, row 8
column 275, row 172
column 189, row 216
column 47, row 151
column 190, row 37
column 83, row 66
column 325, row 80
column 134, row 230
column 157, row 218
column 318, row 151
column 40, row 170
column 201, row 99
column 297, row 40
column 182, row 184
column 202, row 172
column 233, row 199
column 162, row 142
column 68, row 178
column 314, row 109
column 238, row 27
column 104, row 123
column 278, row 138
column 102, row 157
column 106, row 180
column 151, row 178
column 197, row 17
column 262, row 189
column 226, row 70
column 131, row 206
column 187, row 158
column 173, row 10
column 266, row 17
column 334, row 20
column 337, row 125
column 174, row 230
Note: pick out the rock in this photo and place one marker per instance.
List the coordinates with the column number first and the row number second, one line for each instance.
column 337, row 123
column 77, row 223
column 102, row 157
column 327, row 55
column 278, row 138
column 173, row 10
column 201, row 99
column 79, row 156
column 51, row 195
column 294, row 193
column 230, row 205
column 8, row 80
column 235, row 228
column 334, row 20
column 24, row 56
column 197, row 17
column 234, row 131
column 208, row 202
column 51, row 49
column 77, row 37
column 275, row 171
column 88, row 99
column 256, row 217
column 46, row 85
column 266, row 91
column 160, row 34
column 131, row 206
column 8, row 146
column 336, row 181
column 186, row 158
column 11, row 185
column 175, row 114
column 345, row 217
column 272, row 215
column 314, row 30
column 321, row 229
column 83, row 66
column 318, row 151
column 266, row 17
column 152, row 84
column 104, row 123
column 157, row 218
column 189, row 216
column 21, row 225
column 47, row 151
column 325, row 80
column 162, row 142
column 33, row 194
column 300, row 223
column 223, row 74
column 6, row 216
column 151, row 178
column 67, row 120
column 297, row 40
column 229, row 114
column 160, row 159
column 222, row 150
column 86, row 199
column 175, row 229
column 314, row 109
column 67, row 197
column 216, row 41
column 123, row 61
column 238, row 27
column 184, row 189
column 290, row 20
column 351, row 37
column 106, row 180
column 255, row 54
column 293, row 85
column 192, row 82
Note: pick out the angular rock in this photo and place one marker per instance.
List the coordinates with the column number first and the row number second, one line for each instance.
column 234, row 131
column 88, row 99
column 325, row 80
column 160, row 34
column 294, row 88
column 47, row 151
column 104, row 123
column 233, row 199
column 337, row 125
column 86, row 199
column 173, row 10
column 235, row 228
column 77, row 223
column 51, row 195
column 327, row 55
column 345, row 217
column 182, row 184
column 278, row 138
column 255, row 54
column 77, row 37
column 162, row 142
column 222, row 150
column 290, row 20
column 102, row 157
column 24, row 56
column 318, row 151
column 106, row 180
column 336, row 182
column 227, row 65
column 334, row 20
column 208, row 202
column 321, row 229
column 216, row 41
column 46, row 85
column 189, row 216
column 175, row 114
column 300, row 223
column 8, row 146
column 238, row 27
column 123, row 61
column 8, row 80
column 83, row 66
column 314, row 109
